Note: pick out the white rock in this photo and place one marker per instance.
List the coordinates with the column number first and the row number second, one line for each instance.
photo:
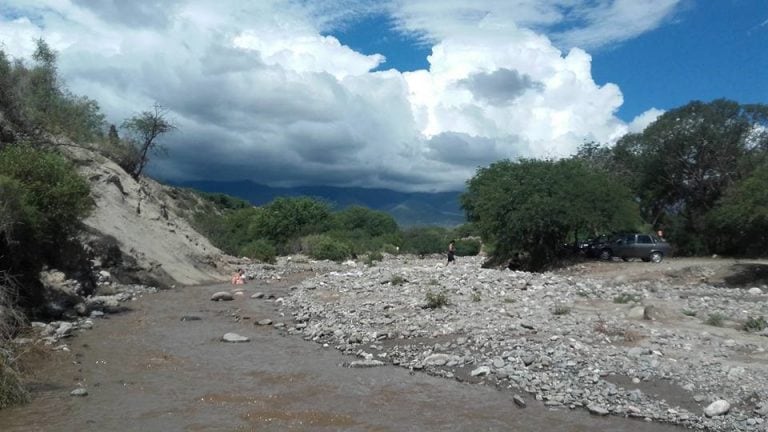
column 437, row 359
column 716, row 408
column 755, row 291
column 234, row 338
column 79, row 392
column 481, row 371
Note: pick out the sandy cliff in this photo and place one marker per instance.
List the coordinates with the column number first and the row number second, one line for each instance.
column 144, row 220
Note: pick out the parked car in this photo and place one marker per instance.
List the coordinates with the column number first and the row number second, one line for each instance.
column 596, row 245
column 648, row 247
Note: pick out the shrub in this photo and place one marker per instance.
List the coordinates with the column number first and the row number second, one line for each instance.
column 436, row 300
column 397, row 280
column 715, row 319
column 689, row 312
column 561, row 310
column 322, row 247
column 467, row 247
column 624, row 298
column 52, row 185
column 476, row 297
column 755, row 324
column 261, row 250
column 11, row 390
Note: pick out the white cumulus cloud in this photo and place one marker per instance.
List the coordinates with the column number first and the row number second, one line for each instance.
column 260, row 91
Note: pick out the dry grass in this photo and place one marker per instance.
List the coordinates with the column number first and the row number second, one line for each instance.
column 12, row 391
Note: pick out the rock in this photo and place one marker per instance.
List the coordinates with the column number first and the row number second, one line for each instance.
column 636, row 313
column 65, row 329
column 257, row 295
column 234, row 338
column 264, row 322
column 597, row 409
column 366, row 363
column 716, row 408
column 481, row 371
column 190, row 318
column 519, row 401
column 80, row 391
column 222, row 296
column 755, row 291
column 437, row 359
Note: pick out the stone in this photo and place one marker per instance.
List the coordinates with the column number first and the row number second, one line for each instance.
column 264, row 322
column 716, row 408
column 437, row 359
column 234, row 338
column 222, row 296
column 80, row 391
column 65, row 329
column 190, row 318
column 755, row 291
column 481, row 371
column 366, row 363
column 257, row 295
column 597, row 409
column 519, row 401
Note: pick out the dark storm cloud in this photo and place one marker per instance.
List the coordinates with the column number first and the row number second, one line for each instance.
column 499, row 87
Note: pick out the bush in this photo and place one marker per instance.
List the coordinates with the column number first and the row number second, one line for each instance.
column 323, row 247
column 624, row 298
column 53, row 187
column 11, row 390
column 755, row 324
column 715, row 319
column 397, row 280
column 467, row 247
column 561, row 310
column 261, row 250
column 436, row 300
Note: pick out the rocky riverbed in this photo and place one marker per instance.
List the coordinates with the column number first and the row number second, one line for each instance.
column 623, row 346
column 662, row 343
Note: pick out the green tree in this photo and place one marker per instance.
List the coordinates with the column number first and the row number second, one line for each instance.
column 532, row 207
column 738, row 225
column 683, row 162
column 145, row 129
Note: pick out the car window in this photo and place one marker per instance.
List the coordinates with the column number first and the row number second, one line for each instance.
column 630, row 239
column 644, row 239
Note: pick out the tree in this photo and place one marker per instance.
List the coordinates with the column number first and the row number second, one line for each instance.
column 533, row 207
column 738, row 225
column 684, row 161
column 145, row 129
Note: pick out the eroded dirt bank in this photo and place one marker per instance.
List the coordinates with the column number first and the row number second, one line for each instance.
column 162, row 366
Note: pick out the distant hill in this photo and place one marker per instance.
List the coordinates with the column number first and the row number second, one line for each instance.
column 408, row 208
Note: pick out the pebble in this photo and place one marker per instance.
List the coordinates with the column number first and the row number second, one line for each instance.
column 716, row 408
column 80, row 391
column 234, row 338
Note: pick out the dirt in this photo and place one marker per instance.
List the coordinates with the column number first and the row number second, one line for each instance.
column 721, row 272
column 148, row 369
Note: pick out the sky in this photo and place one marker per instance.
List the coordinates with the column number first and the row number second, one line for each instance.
column 412, row 95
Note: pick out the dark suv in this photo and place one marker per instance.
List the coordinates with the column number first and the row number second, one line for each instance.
column 647, row 247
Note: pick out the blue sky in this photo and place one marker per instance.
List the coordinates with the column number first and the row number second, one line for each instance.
column 412, row 95
column 708, row 49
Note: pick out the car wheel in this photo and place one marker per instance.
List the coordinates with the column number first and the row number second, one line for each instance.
column 605, row 254
column 657, row 257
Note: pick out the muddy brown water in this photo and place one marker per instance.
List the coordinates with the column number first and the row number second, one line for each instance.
column 149, row 370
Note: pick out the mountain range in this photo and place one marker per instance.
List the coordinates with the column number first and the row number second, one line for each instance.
column 408, row 208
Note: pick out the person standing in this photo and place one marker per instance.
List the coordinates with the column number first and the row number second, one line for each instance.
column 451, row 252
